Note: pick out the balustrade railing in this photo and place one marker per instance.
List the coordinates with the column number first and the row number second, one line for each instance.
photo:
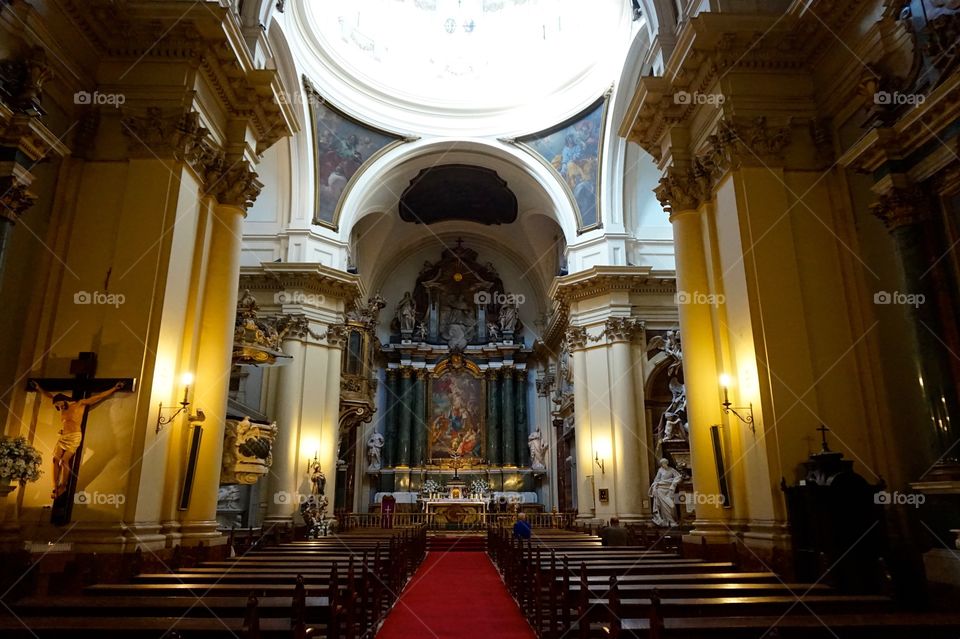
column 439, row 521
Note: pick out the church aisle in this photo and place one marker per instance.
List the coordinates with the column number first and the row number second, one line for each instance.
column 455, row 595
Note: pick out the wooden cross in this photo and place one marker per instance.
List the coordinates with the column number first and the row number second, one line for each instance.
column 81, row 386
column 823, row 434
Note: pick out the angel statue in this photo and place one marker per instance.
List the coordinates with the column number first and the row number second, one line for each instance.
column 669, row 344
column 538, row 450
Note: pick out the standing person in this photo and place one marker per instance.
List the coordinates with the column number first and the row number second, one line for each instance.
column 522, row 529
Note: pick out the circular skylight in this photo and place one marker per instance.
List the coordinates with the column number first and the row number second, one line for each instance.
column 470, row 54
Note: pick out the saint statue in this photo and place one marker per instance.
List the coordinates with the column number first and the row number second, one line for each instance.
column 508, row 317
column 71, row 436
column 318, row 481
column 374, row 448
column 673, row 428
column 663, row 491
column 407, row 313
column 538, row 450
column 422, row 331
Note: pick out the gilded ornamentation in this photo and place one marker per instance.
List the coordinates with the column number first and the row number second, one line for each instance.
column 247, row 451
column 902, row 207
column 15, row 198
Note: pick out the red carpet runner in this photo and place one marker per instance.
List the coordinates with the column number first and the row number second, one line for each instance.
column 455, row 595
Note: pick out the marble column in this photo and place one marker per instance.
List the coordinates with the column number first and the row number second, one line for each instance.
column 904, row 210
column 282, row 480
column 509, row 418
column 419, row 418
column 493, row 418
column 627, row 430
column 213, row 368
column 586, row 501
column 405, row 435
column 391, row 435
column 523, row 450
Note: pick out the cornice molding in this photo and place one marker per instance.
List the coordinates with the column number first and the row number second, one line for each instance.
column 310, row 278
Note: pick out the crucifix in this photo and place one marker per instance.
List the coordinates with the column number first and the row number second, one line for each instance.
column 85, row 392
column 456, row 460
column 823, row 434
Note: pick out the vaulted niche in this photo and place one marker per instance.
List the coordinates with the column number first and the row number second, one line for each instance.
column 458, row 192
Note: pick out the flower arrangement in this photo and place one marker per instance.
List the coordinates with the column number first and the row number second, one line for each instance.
column 432, row 486
column 19, row 461
column 479, row 487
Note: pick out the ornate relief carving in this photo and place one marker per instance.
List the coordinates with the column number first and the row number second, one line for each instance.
column 367, row 315
column 545, row 384
column 22, row 80
column 247, row 451
column 336, row 335
column 902, row 207
column 15, row 197
column 621, row 329
column 684, row 189
column 233, row 183
column 577, row 337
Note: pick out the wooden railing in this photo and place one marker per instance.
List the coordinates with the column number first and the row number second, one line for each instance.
column 479, row 521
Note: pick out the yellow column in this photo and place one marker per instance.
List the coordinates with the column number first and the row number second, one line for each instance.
column 586, row 507
column 281, row 496
column 701, row 374
column 213, row 367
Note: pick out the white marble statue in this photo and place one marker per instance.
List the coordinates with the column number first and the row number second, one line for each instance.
column 374, row 448
column 673, row 428
column 538, row 450
column 407, row 313
column 663, row 490
column 493, row 332
column 508, row 317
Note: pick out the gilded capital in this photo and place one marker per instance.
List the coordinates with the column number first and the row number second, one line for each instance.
column 15, row 198
column 902, row 206
column 336, row 335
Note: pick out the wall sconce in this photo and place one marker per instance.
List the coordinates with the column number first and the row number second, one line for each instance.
column 186, row 380
column 599, row 462
column 727, row 408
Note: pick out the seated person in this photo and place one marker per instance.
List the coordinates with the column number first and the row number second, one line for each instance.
column 522, row 529
column 614, row 534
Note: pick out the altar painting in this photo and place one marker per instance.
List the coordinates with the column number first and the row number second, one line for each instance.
column 455, row 422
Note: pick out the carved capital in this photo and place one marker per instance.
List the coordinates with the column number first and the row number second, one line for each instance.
column 902, row 206
column 621, row 329
column 545, row 385
column 752, row 143
column 492, row 374
column 336, row 335
column 15, row 197
column 576, row 337
column 22, row 80
column 684, row 189
column 234, row 184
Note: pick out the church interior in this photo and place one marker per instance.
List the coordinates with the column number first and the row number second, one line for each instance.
column 473, row 318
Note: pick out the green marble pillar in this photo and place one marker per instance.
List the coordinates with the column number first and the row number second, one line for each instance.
column 523, row 450
column 390, row 419
column 419, row 418
column 405, row 437
column 493, row 418
column 509, row 418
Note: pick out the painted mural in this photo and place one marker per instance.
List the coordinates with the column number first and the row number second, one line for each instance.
column 573, row 149
column 455, row 421
column 342, row 146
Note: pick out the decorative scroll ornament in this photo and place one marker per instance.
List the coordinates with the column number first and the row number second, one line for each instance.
column 247, row 451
